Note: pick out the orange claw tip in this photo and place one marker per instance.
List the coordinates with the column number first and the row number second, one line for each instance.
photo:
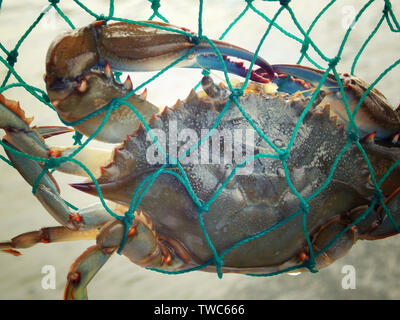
column 370, row 138
column 98, row 23
column 82, row 86
column 15, row 253
column 107, row 71
column 395, row 138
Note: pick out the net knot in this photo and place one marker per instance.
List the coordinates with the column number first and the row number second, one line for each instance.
column 12, row 57
column 249, row 1
column 102, row 17
column 195, row 40
column 45, row 97
column 115, row 103
column 387, row 8
column 155, row 5
column 205, row 207
column 284, row 3
column 333, row 63
column 128, row 218
column 305, row 46
column 283, row 155
column 304, row 206
column 53, row 163
column 77, row 138
column 352, row 135
column 54, row 2
column 236, row 93
column 378, row 195
column 310, row 264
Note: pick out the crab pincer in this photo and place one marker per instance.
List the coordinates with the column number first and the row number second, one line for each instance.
column 78, row 89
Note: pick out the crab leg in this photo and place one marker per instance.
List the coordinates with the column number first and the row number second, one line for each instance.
column 83, row 270
column 48, row 194
column 376, row 225
column 45, row 235
column 21, row 137
column 374, row 115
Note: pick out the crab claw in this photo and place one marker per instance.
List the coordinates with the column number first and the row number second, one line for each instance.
column 134, row 47
column 374, row 115
column 77, row 89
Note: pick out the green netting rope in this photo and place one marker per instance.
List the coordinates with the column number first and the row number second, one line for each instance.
column 282, row 154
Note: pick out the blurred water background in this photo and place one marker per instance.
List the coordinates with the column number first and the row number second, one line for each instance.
column 376, row 263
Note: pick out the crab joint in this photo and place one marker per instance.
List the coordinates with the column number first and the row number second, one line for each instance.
column 303, row 256
column 354, row 229
column 74, row 277
column 76, row 217
column 132, row 231
column 166, row 258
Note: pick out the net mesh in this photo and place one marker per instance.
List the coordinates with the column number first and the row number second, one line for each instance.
column 9, row 59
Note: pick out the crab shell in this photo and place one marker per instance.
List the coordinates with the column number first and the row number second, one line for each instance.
column 247, row 208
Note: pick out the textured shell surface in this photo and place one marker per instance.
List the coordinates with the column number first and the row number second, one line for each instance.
column 253, row 200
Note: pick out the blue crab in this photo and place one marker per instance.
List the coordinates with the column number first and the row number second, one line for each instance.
column 166, row 231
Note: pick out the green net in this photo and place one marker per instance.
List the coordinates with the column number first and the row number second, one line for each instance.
column 9, row 59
